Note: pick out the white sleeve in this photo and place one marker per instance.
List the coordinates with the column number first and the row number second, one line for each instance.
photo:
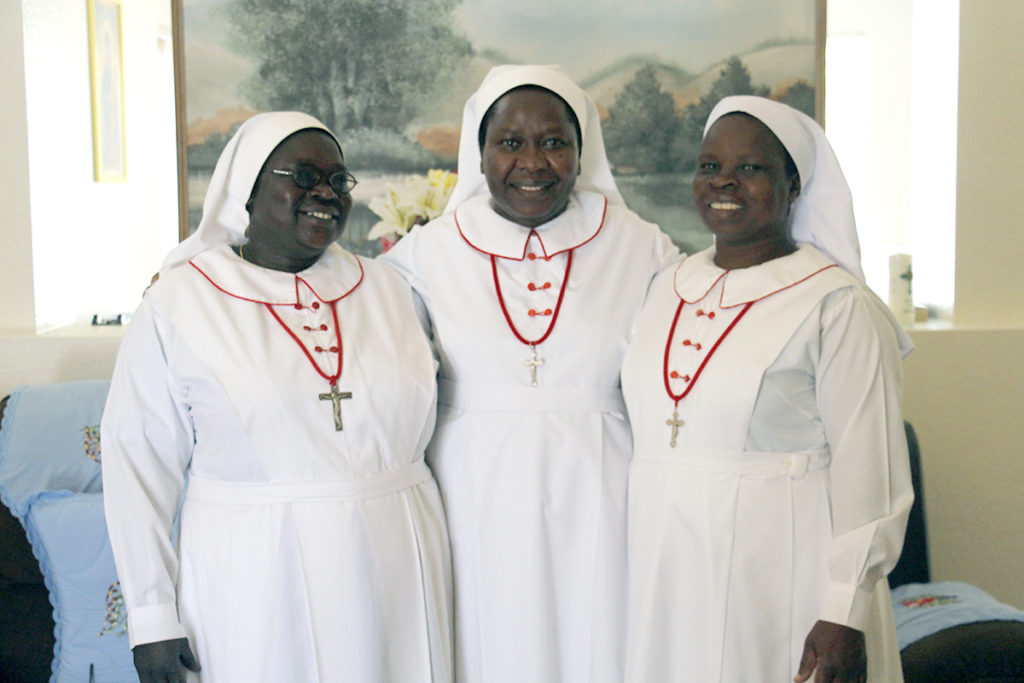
column 859, row 396
column 404, row 257
column 147, row 439
column 666, row 253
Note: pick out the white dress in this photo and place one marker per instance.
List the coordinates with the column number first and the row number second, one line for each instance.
column 306, row 553
column 534, row 477
column 793, row 420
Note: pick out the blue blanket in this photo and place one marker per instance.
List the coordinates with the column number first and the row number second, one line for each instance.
column 922, row 609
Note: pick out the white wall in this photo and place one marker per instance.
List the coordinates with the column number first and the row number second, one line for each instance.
column 869, row 125
column 56, row 357
column 17, row 294
column 990, row 236
column 891, row 70
column 81, row 228
column 964, row 395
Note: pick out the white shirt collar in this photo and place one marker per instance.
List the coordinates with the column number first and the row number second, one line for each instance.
column 490, row 233
column 697, row 275
column 334, row 276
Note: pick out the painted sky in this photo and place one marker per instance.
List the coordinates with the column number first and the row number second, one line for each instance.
column 585, row 36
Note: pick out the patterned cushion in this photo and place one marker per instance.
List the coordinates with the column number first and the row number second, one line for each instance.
column 69, row 535
column 49, row 441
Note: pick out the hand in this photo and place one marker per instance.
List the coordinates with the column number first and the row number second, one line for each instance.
column 835, row 652
column 161, row 662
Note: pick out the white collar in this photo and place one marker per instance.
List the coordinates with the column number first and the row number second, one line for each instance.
column 334, row 276
column 697, row 275
column 486, row 231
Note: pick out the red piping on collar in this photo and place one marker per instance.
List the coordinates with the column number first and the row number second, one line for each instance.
column 362, row 274
column 604, row 214
column 741, row 303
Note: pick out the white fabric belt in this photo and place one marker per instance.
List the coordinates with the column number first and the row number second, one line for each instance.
column 391, row 481
column 487, row 398
column 759, row 464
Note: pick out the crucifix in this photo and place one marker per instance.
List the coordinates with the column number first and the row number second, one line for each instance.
column 335, row 397
column 533, row 362
column 675, row 423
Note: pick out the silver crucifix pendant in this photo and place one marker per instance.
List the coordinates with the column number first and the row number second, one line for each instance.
column 533, row 362
column 675, row 423
column 335, row 398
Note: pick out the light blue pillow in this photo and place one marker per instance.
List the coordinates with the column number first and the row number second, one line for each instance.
column 50, row 441
column 921, row 609
column 68, row 533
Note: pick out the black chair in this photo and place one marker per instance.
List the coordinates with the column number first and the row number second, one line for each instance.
column 978, row 652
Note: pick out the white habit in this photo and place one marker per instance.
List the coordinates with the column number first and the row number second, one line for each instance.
column 534, row 477
column 306, row 553
column 792, row 421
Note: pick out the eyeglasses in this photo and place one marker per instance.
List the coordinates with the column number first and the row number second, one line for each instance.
column 308, row 177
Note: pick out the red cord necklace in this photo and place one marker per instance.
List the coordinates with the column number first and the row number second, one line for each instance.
column 674, row 422
column 533, row 362
column 334, row 396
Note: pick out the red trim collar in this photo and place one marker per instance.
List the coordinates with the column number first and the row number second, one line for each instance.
column 697, row 275
column 489, row 233
column 332, row 278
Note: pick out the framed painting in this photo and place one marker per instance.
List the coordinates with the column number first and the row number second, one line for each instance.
column 391, row 80
column 106, row 63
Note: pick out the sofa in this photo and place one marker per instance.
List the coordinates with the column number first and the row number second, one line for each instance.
column 63, row 617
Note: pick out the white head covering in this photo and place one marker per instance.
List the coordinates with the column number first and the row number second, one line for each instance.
column 224, row 218
column 823, row 213
column 595, row 173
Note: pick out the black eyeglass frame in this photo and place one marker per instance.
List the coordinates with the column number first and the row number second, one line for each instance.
column 343, row 186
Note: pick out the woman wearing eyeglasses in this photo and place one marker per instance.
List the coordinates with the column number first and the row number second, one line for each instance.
column 282, row 390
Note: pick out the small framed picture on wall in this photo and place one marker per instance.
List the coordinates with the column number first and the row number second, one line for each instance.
column 107, row 79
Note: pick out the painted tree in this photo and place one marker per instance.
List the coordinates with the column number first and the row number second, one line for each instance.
column 733, row 79
column 800, row 96
column 641, row 124
column 351, row 63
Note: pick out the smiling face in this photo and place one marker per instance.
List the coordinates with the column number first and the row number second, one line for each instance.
column 289, row 227
column 530, row 155
column 742, row 190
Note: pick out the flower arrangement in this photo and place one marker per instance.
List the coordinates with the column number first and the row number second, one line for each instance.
column 418, row 200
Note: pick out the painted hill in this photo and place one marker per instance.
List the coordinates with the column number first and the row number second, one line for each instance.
column 772, row 66
column 605, row 85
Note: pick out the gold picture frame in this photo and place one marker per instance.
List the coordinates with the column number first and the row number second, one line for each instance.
column 106, row 69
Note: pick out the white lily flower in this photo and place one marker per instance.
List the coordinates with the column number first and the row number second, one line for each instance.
column 418, row 200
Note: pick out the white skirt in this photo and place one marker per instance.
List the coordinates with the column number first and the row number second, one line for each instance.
column 321, row 581
column 727, row 568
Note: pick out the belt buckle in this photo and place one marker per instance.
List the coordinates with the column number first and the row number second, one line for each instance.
column 798, row 465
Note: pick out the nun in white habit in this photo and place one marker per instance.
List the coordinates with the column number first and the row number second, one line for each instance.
column 532, row 280
column 283, row 390
column 770, row 487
